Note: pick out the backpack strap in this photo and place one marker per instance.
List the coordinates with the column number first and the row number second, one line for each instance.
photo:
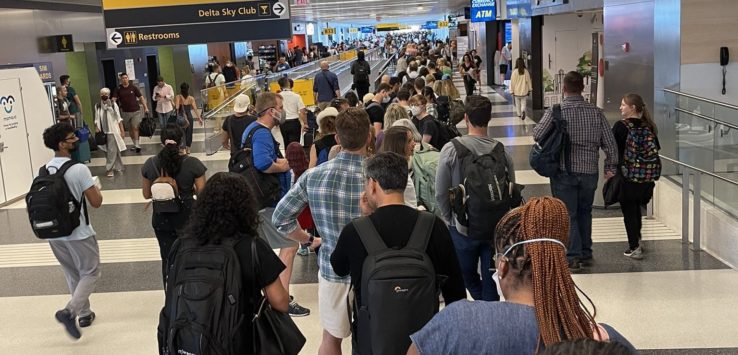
column 247, row 143
column 461, row 150
column 422, row 231
column 369, row 235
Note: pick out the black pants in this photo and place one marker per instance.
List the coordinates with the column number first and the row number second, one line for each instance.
column 469, row 84
column 361, row 89
column 633, row 196
column 166, row 239
column 291, row 130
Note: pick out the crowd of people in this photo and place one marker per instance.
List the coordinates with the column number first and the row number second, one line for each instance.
column 388, row 196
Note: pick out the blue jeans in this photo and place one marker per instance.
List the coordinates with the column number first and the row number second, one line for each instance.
column 470, row 253
column 163, row 119
column 577, row 191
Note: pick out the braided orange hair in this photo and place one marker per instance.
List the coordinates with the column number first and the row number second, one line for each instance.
column 560, row 313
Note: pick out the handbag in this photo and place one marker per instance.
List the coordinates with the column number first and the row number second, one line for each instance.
column 274, row 332
column 101, row 138
column 612, row 189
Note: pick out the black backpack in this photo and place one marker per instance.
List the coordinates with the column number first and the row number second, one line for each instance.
column 52, row 209
column 147, row 127
column 545, row 156
column 202, row 313
column 447, row 132
column 264, row 187
column 399, row 288
column 361, row 72
column 486, row 193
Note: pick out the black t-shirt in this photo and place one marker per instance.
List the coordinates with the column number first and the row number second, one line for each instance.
column 428, row 126
column 394, row 224
column 235, row 126
column 191, row 169
column 376, row 113
column 270, row 269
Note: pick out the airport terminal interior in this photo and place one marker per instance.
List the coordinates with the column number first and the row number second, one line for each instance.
column 681, row 297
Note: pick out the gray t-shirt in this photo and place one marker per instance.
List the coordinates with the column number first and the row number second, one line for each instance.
column 449, row 171
column 479, row 327
column 78, row 179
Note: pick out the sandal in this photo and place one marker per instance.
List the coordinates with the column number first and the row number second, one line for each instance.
column 111, row 173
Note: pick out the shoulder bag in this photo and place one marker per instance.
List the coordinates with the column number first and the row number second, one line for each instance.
column 274, row 332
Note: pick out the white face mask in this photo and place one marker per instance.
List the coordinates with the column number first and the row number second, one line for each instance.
column 385, row 99
column 496, row 275
column 415, row 110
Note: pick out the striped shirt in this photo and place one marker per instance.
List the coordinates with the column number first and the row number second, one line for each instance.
column 588, row 131
column 333, row 190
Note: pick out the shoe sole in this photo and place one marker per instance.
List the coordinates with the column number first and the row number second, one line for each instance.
column 299, row 315
column 84, row 323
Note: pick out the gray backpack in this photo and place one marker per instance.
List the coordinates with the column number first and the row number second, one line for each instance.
column 399, row 289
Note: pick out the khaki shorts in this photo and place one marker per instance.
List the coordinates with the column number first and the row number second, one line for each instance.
column 270, row 234
column 334, row 306
column 131, row 120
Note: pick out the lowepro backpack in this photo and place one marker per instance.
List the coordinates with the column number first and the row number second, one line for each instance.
column 449, row 110
column 399, row 288
column 485, row 194
column 265, row 187
column 52, row 209
column 641, row 162
column 425, row 164
column 202, row 313
column 545, row 156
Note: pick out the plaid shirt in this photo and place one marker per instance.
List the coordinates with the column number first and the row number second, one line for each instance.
column 333, row 190
column 588, row 131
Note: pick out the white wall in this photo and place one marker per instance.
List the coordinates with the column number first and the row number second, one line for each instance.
column 718, row 229
column 706, row 80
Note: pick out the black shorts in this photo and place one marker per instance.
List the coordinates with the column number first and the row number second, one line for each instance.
column 503, row 68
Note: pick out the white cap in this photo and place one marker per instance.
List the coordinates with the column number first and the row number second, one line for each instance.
column 329, row 111
column 368, row 97
column 241, row 103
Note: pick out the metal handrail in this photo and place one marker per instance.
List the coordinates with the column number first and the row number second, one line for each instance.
column 702, row 171
column 696, row 174
column 215, row 110
column 707, row 118
column 718, row 103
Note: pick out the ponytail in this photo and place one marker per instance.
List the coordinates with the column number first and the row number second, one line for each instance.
column 646, row 116
column 640, row 107
column 169, row 158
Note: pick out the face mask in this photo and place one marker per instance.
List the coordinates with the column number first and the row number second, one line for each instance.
column 415, row 110
column 385, row 99
column 104, row 98
column 281, row 119
column 496, row 275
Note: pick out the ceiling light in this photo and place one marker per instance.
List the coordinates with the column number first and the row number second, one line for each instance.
column 420, row 7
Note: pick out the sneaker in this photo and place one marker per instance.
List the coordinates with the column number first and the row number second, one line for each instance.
column 86, row 321
column 138, row 149
column 65, row 317
column 295, row 310
column 636, row 253
column 523, row 116
column 574, row 265
column 586, row 261
column 303, row 251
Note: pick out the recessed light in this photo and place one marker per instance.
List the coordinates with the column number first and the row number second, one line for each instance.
column 420, row 7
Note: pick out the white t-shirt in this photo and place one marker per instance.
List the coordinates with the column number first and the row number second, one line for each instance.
column 218, row 79
column 292, row 104
column 78, row 179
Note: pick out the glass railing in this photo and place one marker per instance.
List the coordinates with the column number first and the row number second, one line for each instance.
column 706, row 139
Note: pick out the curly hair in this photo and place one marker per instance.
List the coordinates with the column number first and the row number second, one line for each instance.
column 169, row 158
column 224, row 209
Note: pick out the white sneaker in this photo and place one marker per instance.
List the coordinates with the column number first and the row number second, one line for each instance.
column 634, row 254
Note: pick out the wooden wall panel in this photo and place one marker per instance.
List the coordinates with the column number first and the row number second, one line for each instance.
column 706, row 26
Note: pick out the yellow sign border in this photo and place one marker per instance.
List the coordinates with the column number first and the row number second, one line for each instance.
column 132, row 4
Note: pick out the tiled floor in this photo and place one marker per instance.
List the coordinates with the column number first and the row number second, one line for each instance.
column 675, row 301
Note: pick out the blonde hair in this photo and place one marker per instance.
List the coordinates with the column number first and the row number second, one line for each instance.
column 406, row 122
column 394, row 112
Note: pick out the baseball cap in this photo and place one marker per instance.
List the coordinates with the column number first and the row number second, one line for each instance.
column 241, row 103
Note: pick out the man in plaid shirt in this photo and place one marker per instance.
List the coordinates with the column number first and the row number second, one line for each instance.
column 576, row 182
column 333, row 191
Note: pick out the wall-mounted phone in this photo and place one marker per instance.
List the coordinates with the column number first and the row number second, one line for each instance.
column 724, row 60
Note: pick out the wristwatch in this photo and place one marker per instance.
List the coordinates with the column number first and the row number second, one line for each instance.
column 309, row 242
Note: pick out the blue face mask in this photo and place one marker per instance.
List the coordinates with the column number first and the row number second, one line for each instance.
column 496, row 275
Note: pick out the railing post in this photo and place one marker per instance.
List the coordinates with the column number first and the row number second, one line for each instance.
column 697, row 196
column 685, row 205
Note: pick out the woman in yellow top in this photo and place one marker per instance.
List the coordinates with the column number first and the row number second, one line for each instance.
column 520, row 87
